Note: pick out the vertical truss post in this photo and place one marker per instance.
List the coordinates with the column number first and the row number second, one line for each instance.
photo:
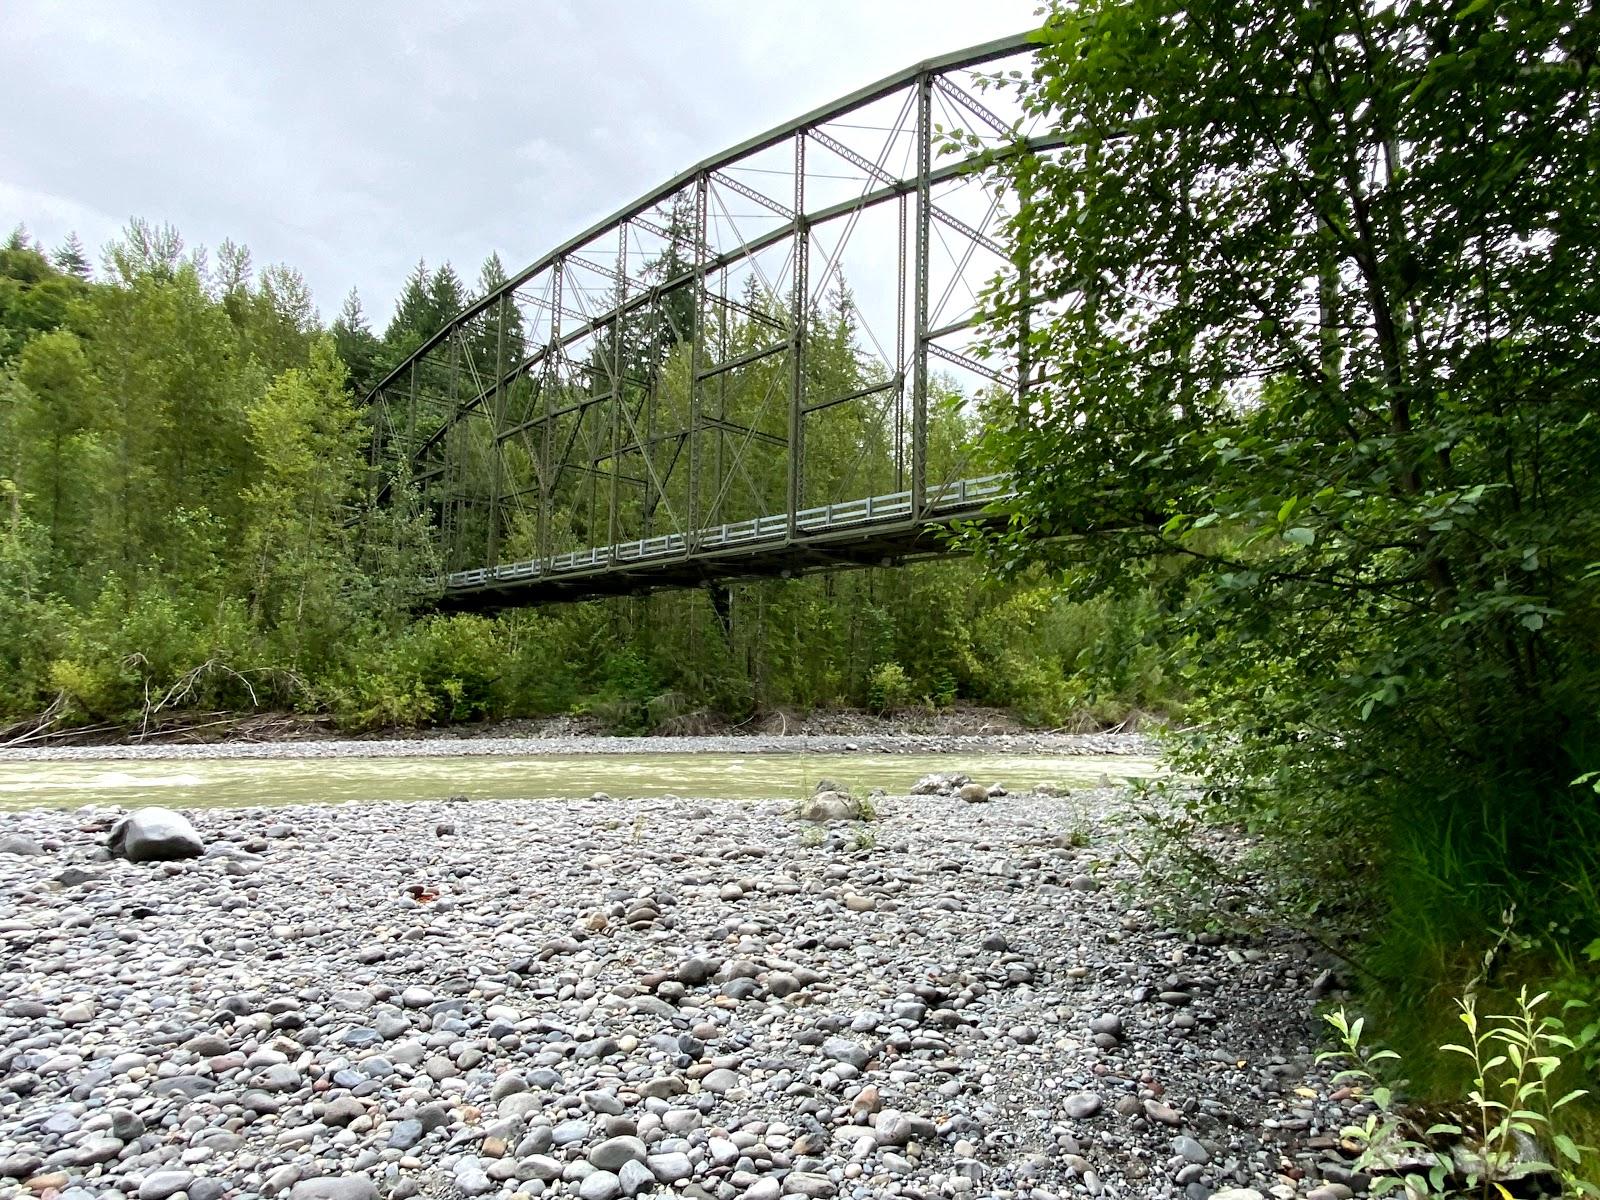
column 411, row 416
column 702, row 186
column 380, row 419
column 452, row 462
column 584, row 426
column 797, row 338
column 408, row 450
column 919, row 365
column 618, row 395
column 900, row 352
column 407, row 453
column 717, row 492
column 658, row 315
column 497, row 422
column 547, row 487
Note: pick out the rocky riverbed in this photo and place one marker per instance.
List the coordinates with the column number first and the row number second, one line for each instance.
column 446, row 746
column 604, row 998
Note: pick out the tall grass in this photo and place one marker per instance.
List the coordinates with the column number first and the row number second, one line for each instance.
column 1489, row 889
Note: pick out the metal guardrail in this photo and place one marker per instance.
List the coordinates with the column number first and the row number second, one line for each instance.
column 873, row 510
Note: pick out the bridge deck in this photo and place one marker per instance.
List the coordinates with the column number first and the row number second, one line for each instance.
column 874, row 531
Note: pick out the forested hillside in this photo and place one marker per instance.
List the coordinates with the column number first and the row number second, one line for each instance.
column 184, row 446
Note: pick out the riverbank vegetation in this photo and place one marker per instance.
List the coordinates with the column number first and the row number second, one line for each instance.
column 1320, row 287
column 184, row 447
column 1311, row 450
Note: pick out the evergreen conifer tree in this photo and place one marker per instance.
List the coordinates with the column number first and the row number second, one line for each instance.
column 71, row 259
column 358, row 347
column 447, row 296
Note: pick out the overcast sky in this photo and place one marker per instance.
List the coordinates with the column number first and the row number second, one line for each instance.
column 349, row 139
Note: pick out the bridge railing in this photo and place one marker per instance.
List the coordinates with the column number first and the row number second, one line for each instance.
column 939, row 501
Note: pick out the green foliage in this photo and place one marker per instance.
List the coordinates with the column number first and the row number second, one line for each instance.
column 1316, row 359
column 133, row 654
column 438, row 669
column 889, row 688
column 1055, row 660
column 35, row 297
column 427, row 302
column 358, row 348
column 24, row 613
column 625, row 685
column 298, row 545
column 183, row 451
column 1514, row 1060
column 1512, row 1100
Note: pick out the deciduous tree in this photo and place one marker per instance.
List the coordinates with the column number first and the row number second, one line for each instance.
column 1316, row 288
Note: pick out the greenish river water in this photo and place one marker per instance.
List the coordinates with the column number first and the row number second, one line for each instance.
column 202, row 783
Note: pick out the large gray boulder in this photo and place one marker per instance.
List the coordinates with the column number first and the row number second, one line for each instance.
column 155, row 835
column 828, row 806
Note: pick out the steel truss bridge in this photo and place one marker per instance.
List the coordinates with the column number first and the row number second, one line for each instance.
column 763, row 367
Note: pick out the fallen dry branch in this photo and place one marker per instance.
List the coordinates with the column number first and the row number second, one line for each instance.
column 35, row 728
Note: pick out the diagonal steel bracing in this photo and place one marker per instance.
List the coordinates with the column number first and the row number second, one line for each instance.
column 687, row 391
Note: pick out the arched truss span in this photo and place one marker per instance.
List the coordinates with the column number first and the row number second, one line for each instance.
column 687, row 392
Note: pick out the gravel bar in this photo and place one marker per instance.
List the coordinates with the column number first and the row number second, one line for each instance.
column 601, row 999
column 520, row 747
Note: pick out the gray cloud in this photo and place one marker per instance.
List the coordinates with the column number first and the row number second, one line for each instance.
column 350, row 139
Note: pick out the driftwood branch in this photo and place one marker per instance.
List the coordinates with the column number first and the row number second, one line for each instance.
column 37, row 727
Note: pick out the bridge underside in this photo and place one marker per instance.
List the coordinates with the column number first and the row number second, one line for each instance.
column 843, row 550
column 879, row 531
column 705, row 385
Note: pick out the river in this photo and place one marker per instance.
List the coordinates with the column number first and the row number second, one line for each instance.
column 223, row 782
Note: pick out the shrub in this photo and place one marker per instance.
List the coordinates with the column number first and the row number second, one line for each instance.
column 889, row 688
column 1512, row 1100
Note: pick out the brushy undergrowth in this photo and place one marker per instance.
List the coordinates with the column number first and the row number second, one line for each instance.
column 1511, row 1124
